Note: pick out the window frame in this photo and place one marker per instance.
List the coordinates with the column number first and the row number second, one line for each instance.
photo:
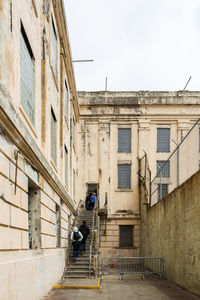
column 122, row 240
column 24, row 39
column 160, row 145
column 161, row 172
column 54, row 65
column 66, row 101
column 55, row 143
column 124, row 147
column 128, row 186
column 66, row 164
column 165, row 194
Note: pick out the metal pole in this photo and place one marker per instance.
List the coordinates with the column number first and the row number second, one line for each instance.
column 98, row 243
column 187, row 83
column 106, row 83
column 178, row 180
column 82, row 60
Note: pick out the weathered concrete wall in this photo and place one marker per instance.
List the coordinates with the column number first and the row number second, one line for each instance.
column 29, row 274
column 109, row 242
column 171, row 230
column 34, row 221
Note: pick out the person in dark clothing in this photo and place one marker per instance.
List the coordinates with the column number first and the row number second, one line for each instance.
column 76, row 237
column 87, row 202
column 84, row 229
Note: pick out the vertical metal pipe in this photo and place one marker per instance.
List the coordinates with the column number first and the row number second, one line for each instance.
column 98, row 244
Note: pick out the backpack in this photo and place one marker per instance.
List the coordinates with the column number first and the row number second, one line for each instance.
column 84, row 230
column 76, row 236
column 92, row 198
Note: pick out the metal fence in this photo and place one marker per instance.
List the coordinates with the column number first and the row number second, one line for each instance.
column 133, row 265
column 145, row 175
column 171, row 170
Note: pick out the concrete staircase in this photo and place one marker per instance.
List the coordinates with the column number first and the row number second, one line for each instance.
column 80, row 268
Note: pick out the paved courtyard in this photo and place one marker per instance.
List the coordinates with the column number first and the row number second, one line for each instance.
column 132, row 287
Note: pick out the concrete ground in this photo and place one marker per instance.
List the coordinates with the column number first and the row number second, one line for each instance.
column 132, row 287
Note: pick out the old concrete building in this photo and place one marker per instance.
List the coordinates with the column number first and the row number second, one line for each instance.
column 38, row 150
column 56, row 145
column 115, row 129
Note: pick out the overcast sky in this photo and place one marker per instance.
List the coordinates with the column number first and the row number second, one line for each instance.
column 137, row 44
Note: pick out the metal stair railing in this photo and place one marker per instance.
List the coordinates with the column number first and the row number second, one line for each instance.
column 92, row 239
column 80, row 205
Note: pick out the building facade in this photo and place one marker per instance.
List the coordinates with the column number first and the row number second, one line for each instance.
column 38, row 149
column 115, row 130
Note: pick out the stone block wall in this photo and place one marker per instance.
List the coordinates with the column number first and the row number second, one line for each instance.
column 171, row 230
column 109, row 238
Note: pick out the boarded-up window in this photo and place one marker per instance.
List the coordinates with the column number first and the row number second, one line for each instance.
column 54, row 49
column 66, row 101
column 53, row 137
column 124, row 176
column 163, row 136
column 162, row 190
column 163, row 168
column 66, row 166
column 125, row 236
column 124, row 140
column 27, row 76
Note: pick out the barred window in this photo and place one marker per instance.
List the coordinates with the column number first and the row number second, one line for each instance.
column 163, row 171
column 124, row 176
column 125, row 236
column 124, row 140
column 66, row 101
column 66, row 166
column 27, row 76
column 54, row 49
column 53, row 137
column 163, row 144
column 162, row 190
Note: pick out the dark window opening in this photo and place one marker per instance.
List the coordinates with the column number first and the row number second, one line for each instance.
column 126, row 236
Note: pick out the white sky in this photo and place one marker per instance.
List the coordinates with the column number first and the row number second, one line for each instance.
column 137, row 44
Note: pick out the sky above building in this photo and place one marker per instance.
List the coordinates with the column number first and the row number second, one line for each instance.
column 136, row 44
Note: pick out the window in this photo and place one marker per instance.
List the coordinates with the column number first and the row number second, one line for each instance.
column 125, row 236
column 124, row 176
column 66, row 166
column 54, row 49
column 58, row 225
column 53, row 138
column 163, row 144
column 27, row 76
column 163, row 171
column 162, row 190
column 34, row 221
column 66, row 101
column 124, row 140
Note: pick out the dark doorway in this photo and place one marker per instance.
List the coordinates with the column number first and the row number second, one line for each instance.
column 93, row 188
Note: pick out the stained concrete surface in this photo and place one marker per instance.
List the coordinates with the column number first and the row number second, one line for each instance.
column 132, row 287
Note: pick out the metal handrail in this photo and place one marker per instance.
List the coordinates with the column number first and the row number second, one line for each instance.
column 91, row 244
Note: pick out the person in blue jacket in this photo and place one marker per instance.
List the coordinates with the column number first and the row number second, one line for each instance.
column 93, row 199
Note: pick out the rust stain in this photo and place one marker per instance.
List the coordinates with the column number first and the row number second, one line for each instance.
column 8, row 58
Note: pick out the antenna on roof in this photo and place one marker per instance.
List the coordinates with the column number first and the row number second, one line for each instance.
column 106, row 84
column 83, row 60
column 187, row 83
